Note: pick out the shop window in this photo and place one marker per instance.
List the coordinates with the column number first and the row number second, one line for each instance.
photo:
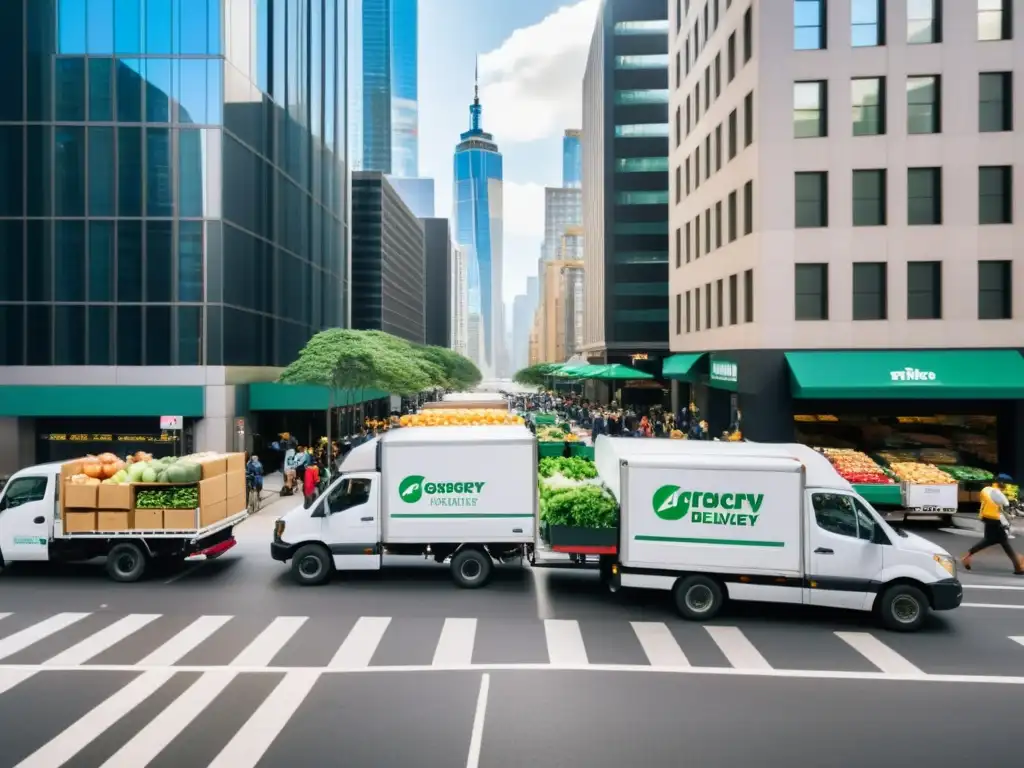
column 924, row 290
column 720, row 302
column 867, row 23
column 869, row 198
column 995, row 290
column 748, row 296
column 924, row 104
column 995, row 194
column 809, row 29
column 811, row 190
column 811, row 284
column 733, row 299
column 867, row 96
column 924, row 21
column 995, row 20
column 924, row 196
column 733, row 129
column 810, row 108
column 995, row 102
column 870, row 290
column 748, row 119
column 748, row 208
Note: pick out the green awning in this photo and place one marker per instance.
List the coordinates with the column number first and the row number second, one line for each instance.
column 275, row 396
column 101, row 400
column 930, row 374
column 680, row 367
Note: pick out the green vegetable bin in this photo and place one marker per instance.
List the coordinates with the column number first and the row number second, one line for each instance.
column 573, row 536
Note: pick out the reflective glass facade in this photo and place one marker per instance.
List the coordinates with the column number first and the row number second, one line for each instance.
column 172, row 180
column 572, row 159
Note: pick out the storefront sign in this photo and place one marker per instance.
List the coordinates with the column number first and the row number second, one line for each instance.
column 639, row 356
column 171, row 422
column 912, row 374
column 725, row 371
column 94, row 437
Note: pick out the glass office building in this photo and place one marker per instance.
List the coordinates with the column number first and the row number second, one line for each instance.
column 572, row 158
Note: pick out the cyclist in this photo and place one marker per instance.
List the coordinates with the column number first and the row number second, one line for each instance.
column 254, row 477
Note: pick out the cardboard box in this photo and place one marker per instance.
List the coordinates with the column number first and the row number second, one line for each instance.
column 71, row 468
column 212, row 513
column 235, row 484
column 80, row 496
column 149, row 519
column 235, row 504
column 213, row 467
column 235, row 462
column 79, row 522
column 115, row 497
column 180, row 519
column 113, row 520
column 213, row 490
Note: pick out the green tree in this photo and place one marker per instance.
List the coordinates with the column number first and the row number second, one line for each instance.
column 532, row 375
column 459, row 371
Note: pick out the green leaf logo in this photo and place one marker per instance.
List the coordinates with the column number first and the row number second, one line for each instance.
column 670, row 502
column 410, row 490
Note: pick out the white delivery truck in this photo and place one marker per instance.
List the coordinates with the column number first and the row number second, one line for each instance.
column 32, row 530
column 464, row 494
column 762, row 522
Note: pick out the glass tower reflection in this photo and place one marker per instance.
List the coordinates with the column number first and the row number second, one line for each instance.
column 172, row 180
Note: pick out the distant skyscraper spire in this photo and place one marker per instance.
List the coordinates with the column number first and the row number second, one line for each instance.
column 475, row 109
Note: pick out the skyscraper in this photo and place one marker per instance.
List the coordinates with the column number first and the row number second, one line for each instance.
column 563, row 209
column 572, row 158
column 478, row 229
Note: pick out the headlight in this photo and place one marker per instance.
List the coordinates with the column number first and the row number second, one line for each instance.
column 947, row 563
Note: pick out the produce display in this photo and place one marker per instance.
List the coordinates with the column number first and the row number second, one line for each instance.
column 175, row 497
column 571, row 495
column 856, row 467
column 574, row 468
column 455, row 417
column 916, row 473
column 1011, row 491
column 968, row 474
column 555, row 435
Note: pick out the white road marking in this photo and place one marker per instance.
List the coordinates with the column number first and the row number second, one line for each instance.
column 1006, row 587
column 252, row 740
column 185, row 641
column 455, row 645
column 107, row 637
column 11, row 677
column 1007, row 606
column 268, row 643
column 659, row 645
column 90, row 726
column 168, row 725
column 19, row 641
column 358, row 648
column 878, row 653
column 542, row 593
column 4, row 615
column 1017, row 639
column 737, row 649
column 565, row 642
column 476, row 738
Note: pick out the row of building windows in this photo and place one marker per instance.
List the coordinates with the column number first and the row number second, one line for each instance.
column 924, row 197
column 716, row 311
column 719, row 148
column 704, row 27
column 868, row 22
column 868, row 96
column 688, row 240
column 924, row 290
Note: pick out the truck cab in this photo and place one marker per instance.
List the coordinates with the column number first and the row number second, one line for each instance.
column 28, row 504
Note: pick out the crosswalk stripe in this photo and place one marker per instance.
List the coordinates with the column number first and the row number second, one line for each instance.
column 4, row 615
column 105, row 638
column 252, row 740
column 90, row 726
column 358, row 648
column 455, row 645
column 19, row 641
column 659, row 645
column 878, row 653
column 184, row 642
column 737, row 649
column 168, row 725
column 261, row 651
column 11, row 677
column 565, row 642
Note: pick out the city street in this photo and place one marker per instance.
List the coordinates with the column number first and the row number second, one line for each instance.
column 228, row 663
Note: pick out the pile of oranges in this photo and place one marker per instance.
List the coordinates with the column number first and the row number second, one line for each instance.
column 461, row 417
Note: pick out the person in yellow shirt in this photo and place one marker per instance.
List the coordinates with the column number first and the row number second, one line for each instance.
column 993, row 502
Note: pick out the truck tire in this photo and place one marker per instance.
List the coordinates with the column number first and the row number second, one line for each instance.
column 698, row 598
column 126, row 562
column 903, row 608
column 312, row 565
column 471, row 568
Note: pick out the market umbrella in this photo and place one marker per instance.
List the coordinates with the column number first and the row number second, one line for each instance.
column 617, row 372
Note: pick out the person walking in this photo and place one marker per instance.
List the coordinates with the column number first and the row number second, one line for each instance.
column 993, row 502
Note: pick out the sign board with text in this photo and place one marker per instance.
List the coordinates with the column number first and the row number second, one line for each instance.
column 724, row 374
column 171, row 422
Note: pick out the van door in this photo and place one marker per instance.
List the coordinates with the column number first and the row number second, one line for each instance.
column 26, row 514
column 844, row 559
column 351, row 522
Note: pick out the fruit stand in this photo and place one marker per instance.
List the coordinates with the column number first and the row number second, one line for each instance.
column 866, row 476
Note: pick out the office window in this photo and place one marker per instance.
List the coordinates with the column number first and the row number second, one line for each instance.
column 867, row 95
column 718, row 224
column 924, row 196
column 718, row 147
column 733, row 130
column 811, row 190
column 748, row 208
column 732, row 216
column 696, row 237
column 811, row 285
column 995, row 20
column 679, row 247
column 924, row 104
column 679, row 126
column 924, row 290
column 748, row 119
column 924, row 21
column 686, row 63
column 679, row 313
column 688, row 326
column 718, row 75
column 720, row 302
column 696, row 103
column 679, row 68
column 867, row 23
column 707, row 231
column 688, row 113
column 730, row 58
column 869, row 198
column 707, row 88
column 696, row 168
column 809, row 29
column 733, row 298
column 810, row 109
column 679, row 185
column 995, row 290
column 687, row 242
column 707, row 306
column 748, row 34
column 995, row 102
column 707, row 156
column 679, row 15
column 995, row 194
column 748, row 296
column 687, row 161
column 696, row 309
column 870, row 289
column 714, row 15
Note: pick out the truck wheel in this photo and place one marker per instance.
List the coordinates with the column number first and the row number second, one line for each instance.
column 604, row 566
column 312, row 565
column 126, row 562
column 903, row 608
column 698, row 598
column 471, row 568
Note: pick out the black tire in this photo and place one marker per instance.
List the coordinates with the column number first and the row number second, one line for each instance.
column 698, row 598
column 604, row 567
column 126, row 562
column 312, row 565
column 903, row 608
column 471, row 568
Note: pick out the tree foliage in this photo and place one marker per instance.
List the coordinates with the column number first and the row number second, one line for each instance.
column 459, row 372
column 532, row 375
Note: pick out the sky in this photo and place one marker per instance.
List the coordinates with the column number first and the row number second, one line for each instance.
column 532, row 55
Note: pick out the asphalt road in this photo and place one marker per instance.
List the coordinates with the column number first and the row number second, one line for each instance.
column 228, row 663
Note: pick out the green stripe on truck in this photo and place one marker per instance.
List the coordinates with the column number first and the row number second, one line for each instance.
column 725, row 542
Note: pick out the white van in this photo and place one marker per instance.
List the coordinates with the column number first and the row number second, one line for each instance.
column 761, row 522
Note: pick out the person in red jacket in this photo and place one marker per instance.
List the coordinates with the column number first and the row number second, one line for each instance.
column 310, row 482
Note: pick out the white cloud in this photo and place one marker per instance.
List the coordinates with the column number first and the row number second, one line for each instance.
column 531, row 85
column 523, row 210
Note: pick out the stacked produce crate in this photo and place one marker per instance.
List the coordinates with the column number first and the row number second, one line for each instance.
column 462, row 417
column 575, row 507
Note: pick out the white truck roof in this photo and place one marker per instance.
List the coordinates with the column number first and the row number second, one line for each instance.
column 510, row 433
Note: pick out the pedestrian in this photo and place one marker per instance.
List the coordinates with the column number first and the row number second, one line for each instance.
column 993, row 502
column 310, row 483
